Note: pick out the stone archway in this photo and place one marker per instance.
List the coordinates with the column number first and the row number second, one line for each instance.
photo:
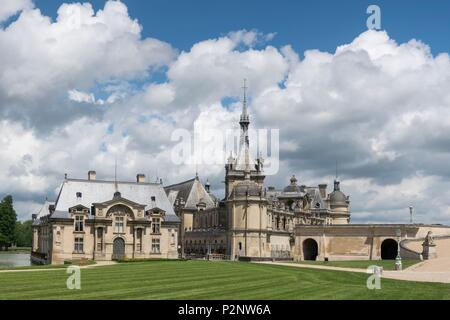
column 389, row 249
column 310, row 249
column 118, row 249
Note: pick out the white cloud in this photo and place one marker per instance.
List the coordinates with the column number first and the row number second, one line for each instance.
column 9, row 8
column 80, row 96
column 80, row 50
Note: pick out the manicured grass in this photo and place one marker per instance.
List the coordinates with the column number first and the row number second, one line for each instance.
column 209, row 280
column 362, row 264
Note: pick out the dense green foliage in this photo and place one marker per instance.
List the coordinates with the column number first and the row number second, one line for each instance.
column 8, row 220
column 209, row 280
column 23, row 233
column 11, row 230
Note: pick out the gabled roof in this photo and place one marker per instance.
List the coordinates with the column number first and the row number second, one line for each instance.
column 98, row 191
column 192, row 191
column 43, row 211
column 316, row 199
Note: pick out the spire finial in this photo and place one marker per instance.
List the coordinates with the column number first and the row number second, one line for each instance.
column 117, row 194
column 245, row 95
column 244, row 115
column 336, row 169
column 115, row 174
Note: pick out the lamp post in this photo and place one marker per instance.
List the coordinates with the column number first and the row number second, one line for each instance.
column 411, row 214
column 398, row 260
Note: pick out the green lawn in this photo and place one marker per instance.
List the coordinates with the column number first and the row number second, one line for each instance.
column 209, row 280
column 363, row 264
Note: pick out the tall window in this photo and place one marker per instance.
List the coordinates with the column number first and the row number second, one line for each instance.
column 118, row 226
column 172, row 239
column 79, row 247
column 156, row 248
column 156, row 224
column 79, row 223
column 139, row 240
column 99, row 239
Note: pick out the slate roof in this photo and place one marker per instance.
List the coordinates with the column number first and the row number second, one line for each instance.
column 44, row 211
column 317, row 199
column 95, row 191
column 192, row 191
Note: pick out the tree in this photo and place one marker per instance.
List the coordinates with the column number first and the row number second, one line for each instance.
column 23, row 233
column 8, row 220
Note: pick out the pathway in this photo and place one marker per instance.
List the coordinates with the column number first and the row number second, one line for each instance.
column 420, row 273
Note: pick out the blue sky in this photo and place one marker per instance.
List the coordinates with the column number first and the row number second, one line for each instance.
column 308, row 24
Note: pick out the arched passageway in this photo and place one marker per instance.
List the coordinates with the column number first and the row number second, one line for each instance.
column 310, row 249
column 389, row 249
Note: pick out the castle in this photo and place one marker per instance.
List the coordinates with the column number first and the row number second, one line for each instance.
column 251, row 221
column 107, row 220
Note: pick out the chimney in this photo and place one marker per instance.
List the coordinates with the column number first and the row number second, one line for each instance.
column 140, row 178
column 33, row 216
column 92, row 175
column 323, row 190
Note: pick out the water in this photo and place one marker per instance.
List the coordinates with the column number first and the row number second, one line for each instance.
column 14, row 260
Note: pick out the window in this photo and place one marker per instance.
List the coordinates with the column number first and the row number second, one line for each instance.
column 156, row 225
column 156, row 246
column 79, row 223
column 139, row 240
column 79, row 194
column 172, row 239
column 118, row 226
column 78, row 245
column 99, row 239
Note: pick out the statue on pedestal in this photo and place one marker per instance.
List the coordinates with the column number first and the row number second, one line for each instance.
column 429, row 247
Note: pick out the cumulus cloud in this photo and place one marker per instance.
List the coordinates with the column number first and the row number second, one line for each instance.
column 9, row 8
column 378, row 107
column 79, row 50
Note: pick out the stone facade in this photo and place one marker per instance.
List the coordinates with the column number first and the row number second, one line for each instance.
column 106, row 220
column 361, row 241
column 84, row 224
column 251, row 221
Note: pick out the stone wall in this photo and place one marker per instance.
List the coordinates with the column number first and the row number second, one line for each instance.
column 358, row 241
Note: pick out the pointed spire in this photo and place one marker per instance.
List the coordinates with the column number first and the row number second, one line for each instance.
column 115, row 175
column 336, row 181
column 336, row 169
column 116, row 185
column 243, row 161
column 244, row 115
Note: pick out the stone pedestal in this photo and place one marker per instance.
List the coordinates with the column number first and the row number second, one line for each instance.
column 429, row 251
